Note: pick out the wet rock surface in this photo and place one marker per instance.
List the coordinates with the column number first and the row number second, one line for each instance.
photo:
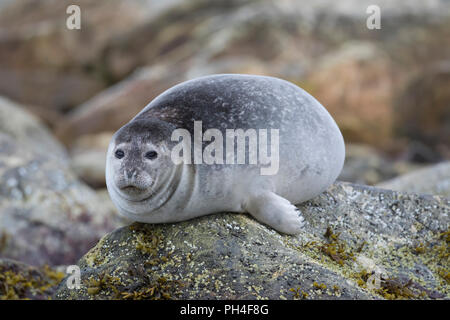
column 360, row 243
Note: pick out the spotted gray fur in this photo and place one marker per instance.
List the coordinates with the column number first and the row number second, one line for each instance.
column 311, row 153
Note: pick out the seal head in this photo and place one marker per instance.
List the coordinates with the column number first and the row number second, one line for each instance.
column 138, row 160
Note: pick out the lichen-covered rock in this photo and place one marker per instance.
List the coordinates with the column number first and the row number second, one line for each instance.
column 47, row 216
column 21, row 281
column 434, row 179
column 359, row 243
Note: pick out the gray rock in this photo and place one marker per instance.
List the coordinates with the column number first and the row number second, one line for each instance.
column 434, row 179
column 262, row 29
column 28, row 130
column 46, row 215
column 88, row 158
column 114, row 107
column 359, row 243
column 366, row 165
column 90, row 167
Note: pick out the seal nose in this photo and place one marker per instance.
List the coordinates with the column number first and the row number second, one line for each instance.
column 130, row 182
column 130, row 173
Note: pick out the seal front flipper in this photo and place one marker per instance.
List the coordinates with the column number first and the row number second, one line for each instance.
column 275, row 211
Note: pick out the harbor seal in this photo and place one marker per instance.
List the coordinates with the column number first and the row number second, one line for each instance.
column 148, row 183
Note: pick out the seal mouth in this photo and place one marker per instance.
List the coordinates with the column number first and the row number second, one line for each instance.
column 132, row 189
column 134, row 193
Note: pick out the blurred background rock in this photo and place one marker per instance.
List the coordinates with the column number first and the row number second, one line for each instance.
column 64, row 92
column 388, row 89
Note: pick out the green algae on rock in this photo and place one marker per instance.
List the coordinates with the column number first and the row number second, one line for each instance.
column 359, row 243
column 20, row 281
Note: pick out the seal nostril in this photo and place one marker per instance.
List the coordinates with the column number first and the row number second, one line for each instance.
column 129, row 174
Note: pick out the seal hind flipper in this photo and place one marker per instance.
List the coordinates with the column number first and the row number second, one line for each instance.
column 276, row 212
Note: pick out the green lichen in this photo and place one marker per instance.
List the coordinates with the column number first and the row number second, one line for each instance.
column 338, row 255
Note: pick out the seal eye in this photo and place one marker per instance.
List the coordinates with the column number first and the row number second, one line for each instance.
column 119, row 154
column 151, row 155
